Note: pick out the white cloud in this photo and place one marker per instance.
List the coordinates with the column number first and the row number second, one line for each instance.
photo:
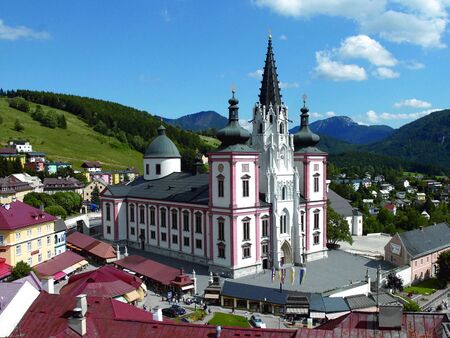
column 283, row 37
column 414, row 65
column 362, row 123
column 385, row 73
column 286, row 85
column 316, row 115
column 414, row 103
column 419, row 22
column 20, row 32
column 338, row 71
column 330, row 113
column 257, row 74
column 372, row 116
column 364, row 47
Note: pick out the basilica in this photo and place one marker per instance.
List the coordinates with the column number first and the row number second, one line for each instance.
column 262, row 204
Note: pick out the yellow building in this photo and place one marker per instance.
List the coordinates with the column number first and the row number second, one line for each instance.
column 26, row 234
column 11, row 190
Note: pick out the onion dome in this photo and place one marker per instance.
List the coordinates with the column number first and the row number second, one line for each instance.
column 233, row 133
column 305, row 137
column 162, row 146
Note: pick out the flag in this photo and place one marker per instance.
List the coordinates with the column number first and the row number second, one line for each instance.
column 279, row 275
column 292, row 275
column 302, row 275
column 273, row 273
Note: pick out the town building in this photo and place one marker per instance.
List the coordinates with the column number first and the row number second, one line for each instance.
column 63, row 184
column 391, row 207
column 98, row 251
column 12, row 189
column 35, row 161
column 420, row 249
column 60, row 236
column 26, row 234
column 114, row 176
column 22, row 146
column 59, row 267
column 262, row 204
column 34, row 181
column 343, row 207
column 53, row 167
column 91, row 166
column 10, row 154
column 97, row 183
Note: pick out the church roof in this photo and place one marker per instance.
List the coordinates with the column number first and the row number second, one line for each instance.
column 162, row 146
column 305, row 140
column 270, row 90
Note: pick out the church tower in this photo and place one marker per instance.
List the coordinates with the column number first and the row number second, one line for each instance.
column 311, row 164
column 276, row 166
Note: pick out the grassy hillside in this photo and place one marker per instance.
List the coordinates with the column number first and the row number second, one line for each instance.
column 75, row 144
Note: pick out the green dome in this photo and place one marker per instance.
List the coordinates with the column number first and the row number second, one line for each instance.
column 162, row 146
column 305, row 137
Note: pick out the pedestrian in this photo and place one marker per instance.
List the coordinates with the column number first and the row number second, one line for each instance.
column 144, row 307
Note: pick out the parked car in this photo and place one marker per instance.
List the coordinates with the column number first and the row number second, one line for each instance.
column 178, row 310
column 169, row 312
column 196, row 299
column 256, row 321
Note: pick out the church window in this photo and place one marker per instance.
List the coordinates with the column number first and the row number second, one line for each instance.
column 132, row 231
column 163, row 237
column 316, row 167
column 108, row 229
column 270, row 118
column 221, row 229
column 141, row 214
column 198, row 243
column 316, row 219
column 163, row 218
column 108, row 211
column 283, row 224
column 245, row 186
column 316, row 238
column 265, row 227
column 153, row 234
column 246, row 251
column 152, row 215
column 260, row 129
column 174, row 239
column 131, row 212
column 246, row 229
column 264, row 249
column 198, row 223
column 281, row 128
column 174, row 219
column 221, row 250
column 316, row 184
column 186, row 220
column 283, row 193
column 158, row 169
column 220, row 190
column 186, row 241
column 147, row 169
column 302, row 220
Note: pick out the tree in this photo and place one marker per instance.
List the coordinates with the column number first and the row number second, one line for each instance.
column 56, row 210
column 443, row 269
column 95, row 196
column 411, row 306
column 19, row 103
column 393, row 282
column 62, row 122
column 337, row 228
column 18, row 126
column 21, row 270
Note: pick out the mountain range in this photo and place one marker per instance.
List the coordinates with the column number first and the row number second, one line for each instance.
column 199, row 121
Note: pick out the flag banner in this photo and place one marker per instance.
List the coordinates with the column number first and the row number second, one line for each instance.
column 302, row 275
column 279, row 275
column 273, row 273
column 292, row 275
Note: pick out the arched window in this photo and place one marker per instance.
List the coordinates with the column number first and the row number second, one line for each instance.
column 141, row 214
column 270, row 118
column 260, row 129
column 284, row 222
column 108, row 211
column 152, row 215
column 283, row 193
column 174, row 219
column 281, row 128
column 132, row 212
column 186, row 217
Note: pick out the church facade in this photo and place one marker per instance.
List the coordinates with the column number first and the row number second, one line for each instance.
column 261, row 205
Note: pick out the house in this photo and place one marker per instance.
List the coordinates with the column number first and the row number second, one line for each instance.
column 425, row 215
column 53, row 167
column 60, row 236
column 59, row 267
column 356, row 184
column 107, row 282
column 114, row 176
column 11, row 154
column 34, row 181
column 92, row 166
column 26, row 234
column 12, row 190
column 436, row 202
column 391, row 207
column 91, row 247
column 384, row 194
column 63, row 184
column 22, row 146
column 419, row 249
column 35, row 161
column 15, row 299
column 411, row 190
column 387, row 187
column 405, row 183
column 366, row 182
column 189, row 215
column 97, row 183
column 378, row 178
column 368, row 201
column 374, row 193
column 400, row 194
column 420, row 197
column 343, row 207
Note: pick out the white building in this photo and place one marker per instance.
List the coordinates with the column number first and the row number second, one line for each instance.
column 262, row 204
column 34, row 181
column 21, row 146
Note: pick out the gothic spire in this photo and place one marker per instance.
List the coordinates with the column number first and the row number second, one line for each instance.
column 270, row 91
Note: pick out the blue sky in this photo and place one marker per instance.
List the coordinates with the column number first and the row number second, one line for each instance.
column 379, row 62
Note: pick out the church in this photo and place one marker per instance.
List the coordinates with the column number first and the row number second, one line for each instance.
column 262, row 204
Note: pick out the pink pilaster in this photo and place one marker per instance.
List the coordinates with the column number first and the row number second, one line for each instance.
column 169, row 226
column 147, row 217
column 157, row 223
column 210, row 195
column 306, row 178
column 180, row 219
column 256, row 183
column 211, row 241
column 205, row 249
column 324, row 169
column 258, row 238
column 324, row 225
column 234, row 257
column 307, row 228
column 233, row 183
column 192, row 231
column 116, row 221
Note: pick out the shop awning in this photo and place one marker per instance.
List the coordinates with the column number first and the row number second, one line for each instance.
column 317, row 315
column 121, row 299
column 69, row 269
column 297, row 311
column 132, row 296
column 59, row 275
column 187, row 287
column 212, row 296
column 80, row 264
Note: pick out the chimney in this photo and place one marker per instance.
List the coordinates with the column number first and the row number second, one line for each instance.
column 126, row 251
column 218, row 331
column 14, row 199
column 390, row 317
column 117, row 252
column 48, row 284
column 78, row 320
column 157, row 314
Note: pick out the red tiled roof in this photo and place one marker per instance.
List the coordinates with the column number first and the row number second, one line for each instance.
column 91, row 245
column 159, row 272
column 5, row 269
column 106, row 281
column 19, row 215
column 58, row 263
column 390, row 206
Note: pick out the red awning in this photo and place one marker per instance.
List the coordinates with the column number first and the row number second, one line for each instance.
column 59, row 275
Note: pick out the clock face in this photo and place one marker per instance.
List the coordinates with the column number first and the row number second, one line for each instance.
column 220, row 167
